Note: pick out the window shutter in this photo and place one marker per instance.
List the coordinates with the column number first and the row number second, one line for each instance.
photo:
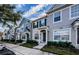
column 45, row 22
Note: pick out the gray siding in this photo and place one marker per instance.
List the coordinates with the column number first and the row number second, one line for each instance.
column 65, row 23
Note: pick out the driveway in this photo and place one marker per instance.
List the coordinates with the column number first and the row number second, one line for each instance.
column 19, row 50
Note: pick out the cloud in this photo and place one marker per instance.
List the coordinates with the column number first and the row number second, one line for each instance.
column 34, row 10
column 38, row 16
column 19, row 7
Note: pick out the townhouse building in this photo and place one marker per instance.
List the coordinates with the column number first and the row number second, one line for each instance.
column 40, row 30
column 24, row 30
column 60, row 24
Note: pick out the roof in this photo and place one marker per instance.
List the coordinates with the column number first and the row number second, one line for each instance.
column 75, row 21
column 40, row 18
column 57, row 7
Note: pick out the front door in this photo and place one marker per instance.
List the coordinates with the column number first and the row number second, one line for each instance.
column 44, row 37
column 77, row 35
column 27, row 36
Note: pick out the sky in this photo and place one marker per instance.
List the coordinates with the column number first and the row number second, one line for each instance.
column 33, row 11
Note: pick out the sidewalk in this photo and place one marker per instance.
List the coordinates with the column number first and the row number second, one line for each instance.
column 19, row 50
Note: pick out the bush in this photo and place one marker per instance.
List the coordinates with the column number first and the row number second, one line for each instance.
column 51, row 43
column 19, row 41
column 32, row 42
column 61, row 44
column 12, row 40
column 5, row 40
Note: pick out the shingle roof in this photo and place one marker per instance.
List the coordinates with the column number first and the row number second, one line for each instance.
column 40, row 18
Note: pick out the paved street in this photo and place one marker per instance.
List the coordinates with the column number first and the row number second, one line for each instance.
column 19, row 50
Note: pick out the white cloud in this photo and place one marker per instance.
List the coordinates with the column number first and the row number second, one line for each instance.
column 39, row 16
column 34, row 10
column 18, row 7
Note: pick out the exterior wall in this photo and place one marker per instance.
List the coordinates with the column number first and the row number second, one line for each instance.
column 65, row 23
column 37, row 30
column 50, row 27
column 34, row 31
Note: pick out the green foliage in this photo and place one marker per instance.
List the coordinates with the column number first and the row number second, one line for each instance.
column 32, row 42
column 61, row 44
column 19, row 41
column 9, row 15
column 5, row 40
column 12, row 40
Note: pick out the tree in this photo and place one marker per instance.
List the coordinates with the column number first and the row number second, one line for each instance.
column 9, row 15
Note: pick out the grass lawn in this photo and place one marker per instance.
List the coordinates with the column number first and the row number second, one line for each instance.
column 29, row 45
column 60, row 50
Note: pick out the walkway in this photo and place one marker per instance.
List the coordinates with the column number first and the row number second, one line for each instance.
column 19, row 50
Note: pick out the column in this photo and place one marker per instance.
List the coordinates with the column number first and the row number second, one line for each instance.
column 39, row 37
column 46, row 36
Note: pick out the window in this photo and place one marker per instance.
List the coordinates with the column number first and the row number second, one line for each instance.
column 35, row 24
column 75, row 10
column 62, row 34
column 36, row 36
column 43, row 22
column 57, row 16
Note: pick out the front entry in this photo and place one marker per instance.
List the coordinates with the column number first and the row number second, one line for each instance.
column 77, row 35
column 27, row 36
column 43, row 36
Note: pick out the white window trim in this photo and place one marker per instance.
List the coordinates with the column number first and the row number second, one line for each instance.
column 60, row 30
column 70, row 13
column 60, row 16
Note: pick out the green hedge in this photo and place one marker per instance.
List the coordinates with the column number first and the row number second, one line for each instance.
column 19, row 41
column 32, row 42
column 12, row 40
column 6, row 40
column 61, row 44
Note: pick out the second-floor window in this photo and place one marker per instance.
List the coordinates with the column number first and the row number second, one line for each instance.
column 57, row 16
column 35, row 24
column 43, row 22
column 74, row 11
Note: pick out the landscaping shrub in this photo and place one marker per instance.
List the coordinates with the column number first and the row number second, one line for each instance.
column 32, row 42
column 64, row 44
column 12, row 40
column 61, row 44
column 19, row 41
column 5, row 40
column 51, row 43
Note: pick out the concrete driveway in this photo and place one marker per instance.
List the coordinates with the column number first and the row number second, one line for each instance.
column 19, row 50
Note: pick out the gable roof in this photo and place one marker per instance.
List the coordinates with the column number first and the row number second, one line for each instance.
column 40, row 18
column 57, row 7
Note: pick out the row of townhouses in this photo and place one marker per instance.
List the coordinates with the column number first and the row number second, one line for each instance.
column 60, row 24
column 20, row 32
